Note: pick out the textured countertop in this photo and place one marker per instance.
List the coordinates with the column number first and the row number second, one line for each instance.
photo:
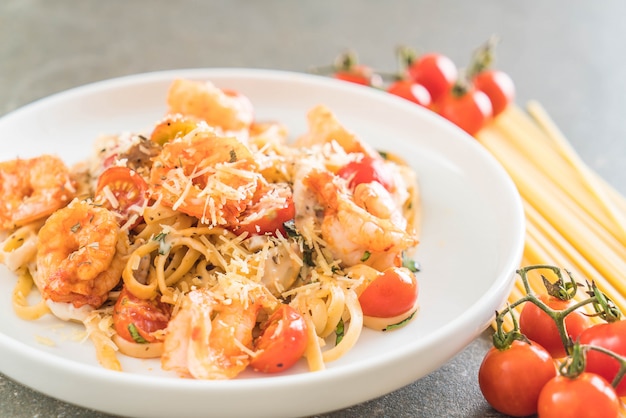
column 567, row 55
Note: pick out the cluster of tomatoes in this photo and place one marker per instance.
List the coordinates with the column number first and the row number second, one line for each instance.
column 468, row 97
column 556, row 362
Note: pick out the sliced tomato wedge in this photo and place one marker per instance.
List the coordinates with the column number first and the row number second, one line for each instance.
column 123, row 191
column 392, row 293
column 136, row 320
column 282, row 343
column 269, row 212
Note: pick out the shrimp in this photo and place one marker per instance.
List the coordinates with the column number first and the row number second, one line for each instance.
column 365, row 227
column 211, row 335
column 80, row 255
column 226, row 110
column 209, row 177
column 32, row 189
column 324, row 128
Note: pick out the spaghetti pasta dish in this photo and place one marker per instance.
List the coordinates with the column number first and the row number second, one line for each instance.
column 214, row 241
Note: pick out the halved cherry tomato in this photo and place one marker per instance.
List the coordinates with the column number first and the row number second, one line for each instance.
column 511, row 379
column 171, row 127
column 411, row 91
column 136, row 319
column 268, row 215
column 469, row 110
column 585, row 396
column 436, row 72
column 390, row 294
column 126, row 186
column 611, row 336
column 282, row 343
column 538, row 326
column 366, row 170
column 498, row 86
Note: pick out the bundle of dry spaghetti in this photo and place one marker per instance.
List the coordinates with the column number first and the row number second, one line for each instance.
column 575, row 220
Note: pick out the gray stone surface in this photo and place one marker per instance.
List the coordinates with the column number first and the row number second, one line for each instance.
column 568, row 55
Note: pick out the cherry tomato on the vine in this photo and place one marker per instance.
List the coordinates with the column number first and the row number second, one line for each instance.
column 390, row 294
column 283, row 341
column 469, row 110
column 412, row 91
column 347, row 68
column 436, row 72
column 585, row 396
column 498, row 86
column 611, row 336
column 359, row 74
column 137, row 319
column 538, row 326
column 367, row 170
column 121, row 190
column 511, row 379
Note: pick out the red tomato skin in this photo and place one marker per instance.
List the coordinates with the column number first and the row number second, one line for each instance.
column 411, row 91
column 470, row 111
column 537, row 326
column 511, row 380
column 282, row 343
column 392, row 293
column 611, row 336
column 367, row 170
column 359, row 74
column 586, row 396
column 498, row 86
column 436, row 72
column 272, row 221
column 352, row 78
column 147, row 316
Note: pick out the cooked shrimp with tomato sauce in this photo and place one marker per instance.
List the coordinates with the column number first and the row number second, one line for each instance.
column 32, row 189
column 80, row 255
column 214, row 243
column 210, row 177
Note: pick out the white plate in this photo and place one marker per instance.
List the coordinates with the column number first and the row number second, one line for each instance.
column 471, row 243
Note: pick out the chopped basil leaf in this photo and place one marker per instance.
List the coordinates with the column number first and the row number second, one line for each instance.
column 410, row 263
column 132, row 329
column 339, row 331
column 164, row 247
column 399, row 324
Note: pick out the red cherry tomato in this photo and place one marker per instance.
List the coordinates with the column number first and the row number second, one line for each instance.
column 366, row 170
column 268, row 214
column 436, row 72
column 469, row 111
column 585, row 396
column 611, row 336
column 282, row 343
column 127, row 188
column 511, row 379
column 136, row 319
column 498, row 86
column 392, row 293
column 359, row 74
column 538, row 326
column 412, row 91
